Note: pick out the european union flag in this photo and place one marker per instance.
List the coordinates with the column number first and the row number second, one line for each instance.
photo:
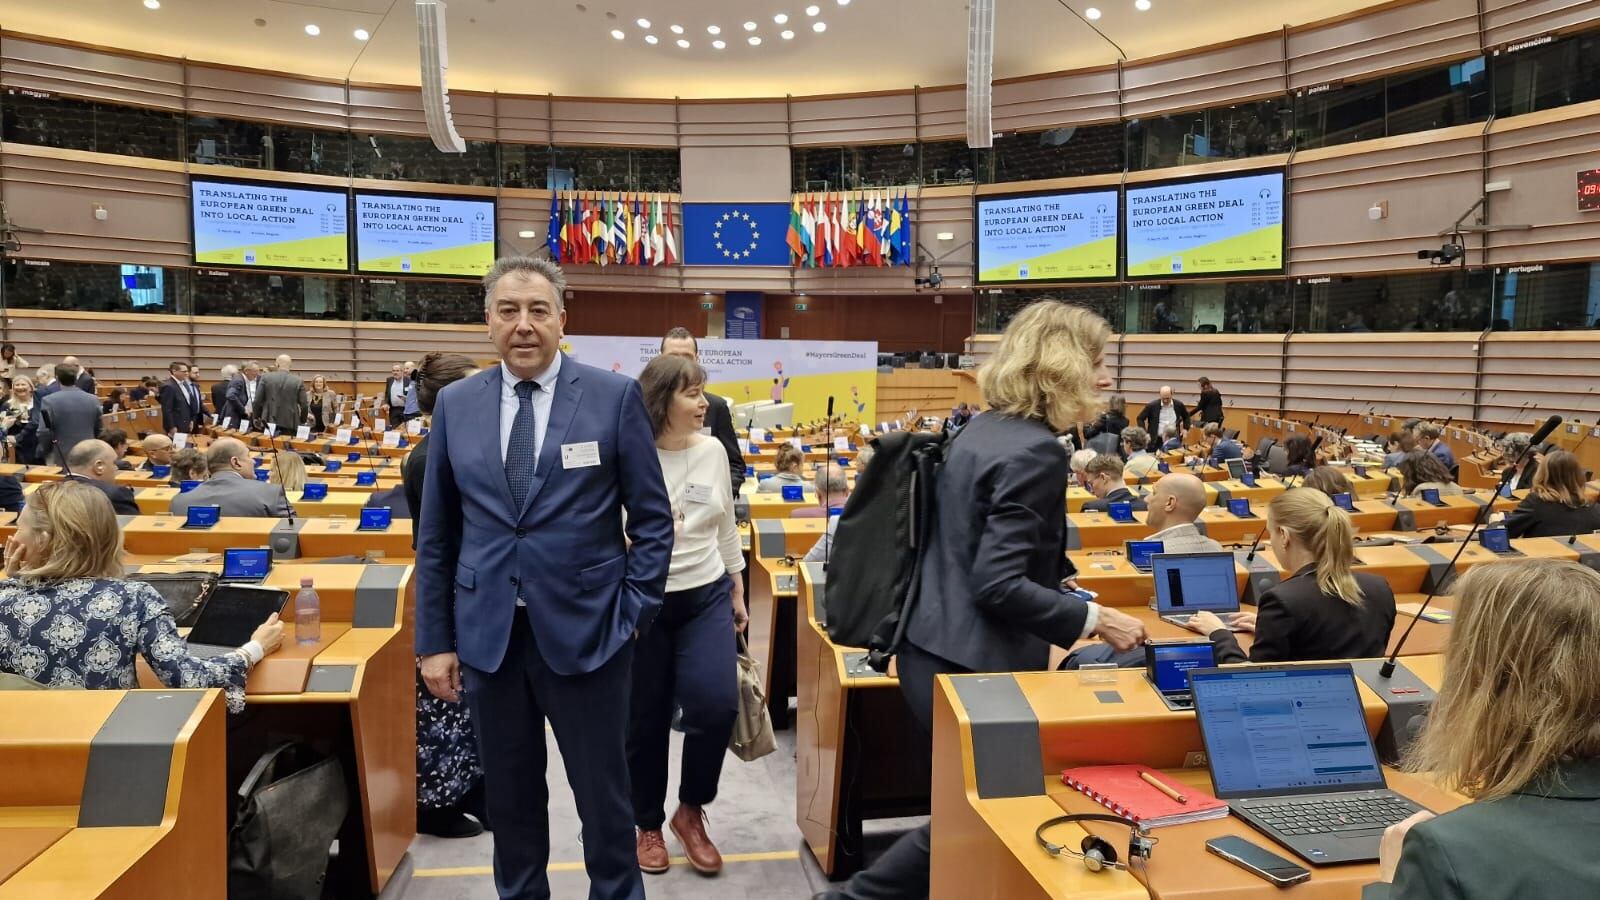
column 735, row 234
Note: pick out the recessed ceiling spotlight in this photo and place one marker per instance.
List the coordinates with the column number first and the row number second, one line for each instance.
column 844, row 2
column 362, row 34
column 755, row 41
column 1092, row 13
column 780, row 18
column 642, row 23
column 683, row 43
column 719, row 44
column 617, row 33
column 749, row 26
column 819, row 27
column 787, row 35
column 713, row 29
column 651, row 39
column 1141, row 5
column 313, row 30
column 677, row 29
column 152, row 4
column 813, row 10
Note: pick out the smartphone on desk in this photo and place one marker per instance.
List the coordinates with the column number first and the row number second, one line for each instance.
column 1262, row 862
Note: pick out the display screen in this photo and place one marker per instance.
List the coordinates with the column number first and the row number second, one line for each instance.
column 376, row 518
column 1212, row 226
column 1169, row 664
column 1240, row 507
column 246, row 563
column 415, row 234
column 268, row 226
column 1139, row 552
column 1589, row 190
column 1121, row 512
column 1188, row 582
column 1064, row 236
column 1344, row 502
column 1496, row 540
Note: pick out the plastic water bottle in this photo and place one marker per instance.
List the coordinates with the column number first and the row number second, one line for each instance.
column 307, row 614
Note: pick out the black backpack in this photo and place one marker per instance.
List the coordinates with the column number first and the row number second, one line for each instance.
column 875, row 565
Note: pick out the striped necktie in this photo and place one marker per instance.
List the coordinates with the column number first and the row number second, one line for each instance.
column 521, row 459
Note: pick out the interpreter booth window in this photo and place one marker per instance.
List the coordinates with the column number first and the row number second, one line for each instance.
column 1325, row 116
column 270, row 295
column 951, row 162
column 996, row 307
column 657, row 170
column 1238, row 131
column 50, row 120
column 427, row 302
column 595, row 168
column 399, row 158
column 1440, row 97
column 1547, row 297
column 821, row 169
column 886, row 165
column 1207, row 307
column 1444, row 299
column 1541, row 73
column 1058, row 152
column 91, row 287
column 528, row 166
column 215, row 141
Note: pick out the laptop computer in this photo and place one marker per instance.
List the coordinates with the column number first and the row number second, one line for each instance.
column 1187, row 583
column 241, row 565
column 1288, row 748
column 232, row 614
column 1140, row 552
column 1167, row 665
column 1236, row 469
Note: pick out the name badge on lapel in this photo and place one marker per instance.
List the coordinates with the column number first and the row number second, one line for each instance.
column 697, row 493
column 580, row 456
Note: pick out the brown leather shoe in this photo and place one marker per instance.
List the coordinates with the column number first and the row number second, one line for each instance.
column 652, row 850
column 689, row 824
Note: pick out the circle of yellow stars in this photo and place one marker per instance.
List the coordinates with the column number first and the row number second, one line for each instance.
column 733, row 216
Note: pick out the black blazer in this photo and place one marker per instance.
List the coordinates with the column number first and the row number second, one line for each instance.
column 10, row 494
column 1543, row 518
column 1120, row 495
column 219, row 398
column 1112, row 421
column 177, row 412
column 411, row 469
column 1295, row 621
column 1208, row 407
column 120, row 495
column 1150, row 417
column 719, row 418
column 991, row 599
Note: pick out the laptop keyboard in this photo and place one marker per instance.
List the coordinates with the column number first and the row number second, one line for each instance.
column 1325, row 815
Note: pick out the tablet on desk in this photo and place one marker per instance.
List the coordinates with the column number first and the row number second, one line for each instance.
column 1495, row 539
column 793, row 493
column 186, row 486
column 203, row 517
column 376, row 518
column 332, row 465
column 1344, row 501
column 241, row 564
column 1360, row 471
column 161, row 472
column 1431, row 495
column 1236, row 469
column 1163, row 468
column 1248, row 479
column 263, row 475
column 232, row 614
column 1139, row 553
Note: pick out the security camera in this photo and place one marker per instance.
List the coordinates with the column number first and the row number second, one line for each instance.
column 1445, row 255
column 934, row 279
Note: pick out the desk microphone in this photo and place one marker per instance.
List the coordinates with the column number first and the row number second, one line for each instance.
column 1550, row 424
column 1250, row 557
column 827, row 549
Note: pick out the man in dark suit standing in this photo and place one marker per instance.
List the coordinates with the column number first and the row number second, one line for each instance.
column 281, row 399
column 67, row 417
column 94, row 463
column 1162, row 411
column 182, row 408
column 85, row 380
column 528, row 596
column 719, row 414
column 219, row 391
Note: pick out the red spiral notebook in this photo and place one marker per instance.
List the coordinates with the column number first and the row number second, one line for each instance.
column 1121, row 790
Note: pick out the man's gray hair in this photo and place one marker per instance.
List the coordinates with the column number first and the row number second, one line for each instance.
column 526, row 265
column 832, row 483
column 85, row 452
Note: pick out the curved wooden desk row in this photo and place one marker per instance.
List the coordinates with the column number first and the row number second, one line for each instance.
column 1000, row 743
column 307, row 538
column 112, row 794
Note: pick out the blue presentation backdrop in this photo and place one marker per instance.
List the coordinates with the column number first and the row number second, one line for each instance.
column 735, row 234
column 741, row 314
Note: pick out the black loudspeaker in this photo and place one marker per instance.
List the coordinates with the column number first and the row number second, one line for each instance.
column 285, row 540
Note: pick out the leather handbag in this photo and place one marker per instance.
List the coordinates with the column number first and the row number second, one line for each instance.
column 291, row 807
column 186, row 593
column 752, row 730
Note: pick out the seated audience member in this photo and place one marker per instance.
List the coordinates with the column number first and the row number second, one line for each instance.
column 1078, row 463
column 118, row 439
column 10, row 493
column 289, row 470
column 158, row 450
column 1511, row 447
column 1103, row 479
column 1324, row 610
column 1140, row 461
column 1556, row 505
column 1174, row 504
column 232, row 485
column 1421, row 470
column 1170, row 440
column 1330, row 481
column 19, row 417
column 832, row 491
column 1302, row 459
column 1430, row 437
column 1222, row 447
column 144, row 389
column 94, row 463
column 188, row 464
column 1514, row 730
column 65, row 563
column 394, row 498
column 788, row 464
column 1398, row 445
column 116, row 400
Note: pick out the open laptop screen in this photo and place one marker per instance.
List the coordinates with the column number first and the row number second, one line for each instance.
column 1278, row 730
column 1190, row 582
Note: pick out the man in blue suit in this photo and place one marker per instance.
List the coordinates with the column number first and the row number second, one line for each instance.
column 528, row 597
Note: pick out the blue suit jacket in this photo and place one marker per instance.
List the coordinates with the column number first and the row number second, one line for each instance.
column 586, row 590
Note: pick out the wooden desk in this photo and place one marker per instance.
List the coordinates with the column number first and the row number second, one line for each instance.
column 88, row 810
column 157, row 500
column 773, row 506
column 770, row 600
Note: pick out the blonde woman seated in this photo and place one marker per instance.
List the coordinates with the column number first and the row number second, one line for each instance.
column 1515, row 728
column 1322, row 611
column 289, row 470
column 789, row 462
column 71, row 620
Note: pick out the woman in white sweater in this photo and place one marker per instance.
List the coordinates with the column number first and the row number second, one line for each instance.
column 688, row 656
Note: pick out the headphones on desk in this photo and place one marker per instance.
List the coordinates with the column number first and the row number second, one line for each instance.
column 1095, row 851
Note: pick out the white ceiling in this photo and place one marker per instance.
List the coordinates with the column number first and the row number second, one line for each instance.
column 565, row 47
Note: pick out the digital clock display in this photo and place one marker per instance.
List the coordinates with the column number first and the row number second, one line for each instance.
column 1589, row 190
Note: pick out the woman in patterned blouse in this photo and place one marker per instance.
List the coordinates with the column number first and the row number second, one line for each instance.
column 69, row 620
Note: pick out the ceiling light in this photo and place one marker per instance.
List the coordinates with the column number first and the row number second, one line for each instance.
column 719, row 44
column 152, row 4
column 677, row 29
column 527, row 233
column 755, row 41
column 650, row 39
column 362, row 34
column 683, row 43
column 813, row 10
column 313, row 30
column 844, row 2
column 713, row 29
column 787, row 35
column 617, row 33
column 1141, row 5
column 749, row 26
column 1092, row 13
column 819, row 27
column 642, row 23
column 780, row 19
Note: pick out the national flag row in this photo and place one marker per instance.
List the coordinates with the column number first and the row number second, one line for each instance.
column 865, row 228
column 612, row 229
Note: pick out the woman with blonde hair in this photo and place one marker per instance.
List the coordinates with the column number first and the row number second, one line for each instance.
column 991, row 598
column 1516, row 727
column 74, row 622
column 1557, row 505
column 788, row 464
column 289, row 470
column 1322, row 611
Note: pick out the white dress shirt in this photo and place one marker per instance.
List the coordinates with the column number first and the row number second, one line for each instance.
column 1167, row 417
column 542, row 399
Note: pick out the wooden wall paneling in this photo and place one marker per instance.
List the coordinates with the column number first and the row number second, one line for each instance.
column 1505, row 21
column 716, row 279
column 379, row 345
column 1428, row 180
column 902, row 322
column 862, row 119
column 1228, row 73
column 941, row 114
column 641, row 123
column 1397, row 36
column 523, row 120
column 90, row 74
column 1397, row 374
column 757, row 123
column 318, row 348
column 1246, row 368
column 627, row 314
column 57, row 190
column 118, row 347
column 1549, row 371
column 1540, row 155
column 1052, row 101
column 266, row 96
column 939, row 210
column 931, row 392
column 734, row 152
